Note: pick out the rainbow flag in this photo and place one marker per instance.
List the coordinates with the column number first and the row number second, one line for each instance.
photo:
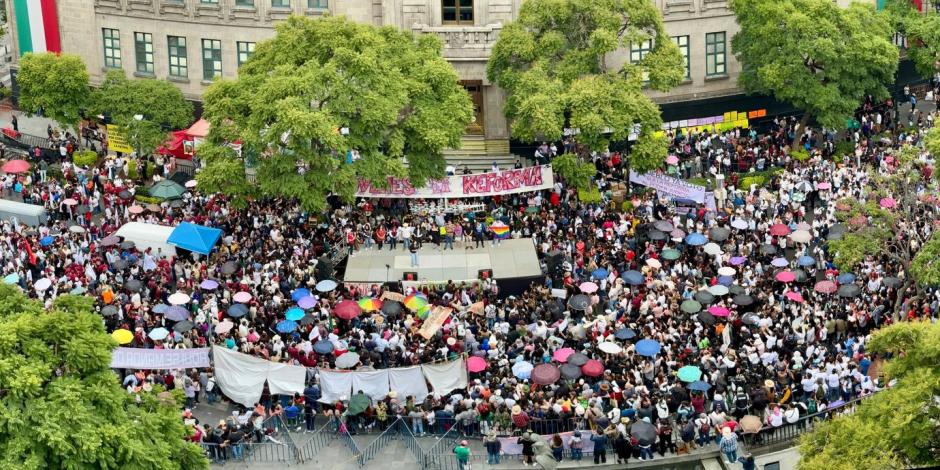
column 500, row 230
column 37, row 26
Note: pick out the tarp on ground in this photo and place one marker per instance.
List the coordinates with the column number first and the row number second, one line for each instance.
column 195, row 238
column 446, row 376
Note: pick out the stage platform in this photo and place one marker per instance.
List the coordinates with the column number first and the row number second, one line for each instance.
column 509, row 259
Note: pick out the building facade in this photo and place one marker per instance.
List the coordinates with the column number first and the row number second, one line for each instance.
column 189, row 42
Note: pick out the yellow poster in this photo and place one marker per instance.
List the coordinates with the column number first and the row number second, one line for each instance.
column 117, row 140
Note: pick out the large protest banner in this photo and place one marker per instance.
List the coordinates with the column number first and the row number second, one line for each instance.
column 669, row 185
column 149, row 359
column 435, row 321
column 533, row 178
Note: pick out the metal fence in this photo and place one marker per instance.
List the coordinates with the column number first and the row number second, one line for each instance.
column 410, row 441
column 318, row 440
column 370, row 451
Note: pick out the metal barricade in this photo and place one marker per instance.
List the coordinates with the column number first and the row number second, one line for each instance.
column 410, row 441
column 376, row 446
column 318, row 440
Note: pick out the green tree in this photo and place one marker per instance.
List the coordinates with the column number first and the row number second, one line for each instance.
column 922, row 32
column 896, row 428
column 555, row 63
column 575, row 172
column 158, row 101
column 55, row 83
column 872, row 230
column 819, row 57
column 397, row 97
column 62, row 407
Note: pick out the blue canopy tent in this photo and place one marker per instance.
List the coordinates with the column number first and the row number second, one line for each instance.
column 195, row 238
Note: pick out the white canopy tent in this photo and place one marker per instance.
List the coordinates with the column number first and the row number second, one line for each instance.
column 146, row 235
column 29, row 214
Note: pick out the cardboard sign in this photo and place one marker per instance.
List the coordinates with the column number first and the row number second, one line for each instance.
column 435, row 321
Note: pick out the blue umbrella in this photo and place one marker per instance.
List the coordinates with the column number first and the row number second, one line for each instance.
column 294, row 313
column 522, row 370
column 323, row 346
column 725, row 280
column 634, row 278
column 624, row 334
column 806, row 261
column 695, row 239
column 846, row 278
column 325, row 285
column 160, row 308
column 176, row 313
column 648, row 347
column 299, row 294
column 11, row 278
column 46, row 241
column 237, row 310
column 699, row 386
column 286, row 326
column 600, row 273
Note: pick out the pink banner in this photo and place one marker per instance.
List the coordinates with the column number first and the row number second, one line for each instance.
column 533, row 178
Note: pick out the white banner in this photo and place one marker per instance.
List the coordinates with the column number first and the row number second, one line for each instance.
column 669, row 185
column 150, row 359
column 447, row 376
column 285, row 379
column 373, row 383
column 335, row 386
column 240, row 376
column 533, row 178
column 408, row 382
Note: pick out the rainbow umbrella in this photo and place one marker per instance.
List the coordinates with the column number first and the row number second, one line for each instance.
column 415, row 302
column 500, row 230
column 370, row 305
column 423, row 312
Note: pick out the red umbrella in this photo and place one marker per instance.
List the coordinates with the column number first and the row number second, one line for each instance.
column 476, row 364
column 592, row 368
column 15, row 166
column 545, row 374
column 779, row 230
column 826, row 287
column 347, row 310
column 786, row 276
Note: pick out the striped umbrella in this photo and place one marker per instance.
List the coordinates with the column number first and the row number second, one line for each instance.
column 370, row 305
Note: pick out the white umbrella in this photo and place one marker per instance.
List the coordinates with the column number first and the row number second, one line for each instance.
column 42, row 284
column 158, row 334
column 610, row 348
column 190, row 184
column 653, row 263
column 347, row 360
column 70, row 202
column 712, row 249
column 242, row 297
column 727, row 271
column 77, row 229
column 801, row 236
column 178, row 298
column 718, row 290
column 739, row 224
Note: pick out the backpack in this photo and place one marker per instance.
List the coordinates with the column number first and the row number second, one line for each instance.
column 741, row 402
column 811, row 406
column 705, row 428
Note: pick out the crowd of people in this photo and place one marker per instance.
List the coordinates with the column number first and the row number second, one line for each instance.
column 704, row 287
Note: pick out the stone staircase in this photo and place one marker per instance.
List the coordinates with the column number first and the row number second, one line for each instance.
column 478, row 153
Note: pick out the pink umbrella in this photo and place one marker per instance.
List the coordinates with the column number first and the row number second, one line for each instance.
column 718, row 311
column 823, row 185
column 592, row 368
column 562, row 354
column 135, row 209
column 888, row 202
column 785, row 276
column 476, row 364
column 224, row 327
column 15, row 166
column 242, row 297
column 672, row 160
column 70, row 202
column 795, row 296
column 588, row 287
column 545, row 374
column 779, row 230
column 825, row 287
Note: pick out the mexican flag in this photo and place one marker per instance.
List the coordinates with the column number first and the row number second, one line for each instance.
column 37, row 26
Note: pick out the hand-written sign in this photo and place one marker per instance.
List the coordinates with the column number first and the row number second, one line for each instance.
column 435, row 321
column 533, row 178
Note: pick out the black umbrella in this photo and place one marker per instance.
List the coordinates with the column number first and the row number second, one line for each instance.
column 133, row 285
column 704, row 297
column 390, row 307
column 664, row 226
column 719, row 234
column 800, row 276
column 554, row 308
column 768, row 249
column 176, row 204
column 237, row 310
column 849, row 290
column 577, row 359
column 229, row 268
column 706, row 318
column 127, row 245
column 743, row 300
column 570, row 371
column 657, row 235
column 108, row 311
column 892, row 281
column 110, row 240
column 579, row 302
column 183, row 326
column 125, row 194
column 307, row 319
column 119, row 264
column 644, row 432
column 750, row 319
column 735, row 289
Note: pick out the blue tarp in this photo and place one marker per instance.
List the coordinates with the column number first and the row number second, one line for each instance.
column 195, row 238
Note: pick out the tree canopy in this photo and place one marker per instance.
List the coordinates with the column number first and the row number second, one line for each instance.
column 55, row 83
column 62, row 407
column 555, row 62
column 896, row 428
column 922, row 32
column 157, row 101
column 819, row 57
column 398, row 98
